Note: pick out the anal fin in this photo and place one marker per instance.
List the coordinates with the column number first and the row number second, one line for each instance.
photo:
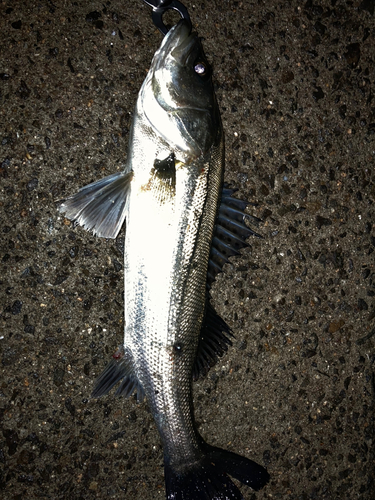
column 120, row 368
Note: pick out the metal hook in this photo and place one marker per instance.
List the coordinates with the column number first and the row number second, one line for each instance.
column 159, row 7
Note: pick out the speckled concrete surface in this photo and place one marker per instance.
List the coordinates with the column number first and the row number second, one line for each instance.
column 295, row 84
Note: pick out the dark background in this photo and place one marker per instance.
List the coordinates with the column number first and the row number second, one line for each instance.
column 295, row 84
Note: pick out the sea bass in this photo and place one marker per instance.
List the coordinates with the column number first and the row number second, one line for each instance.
column 181, row 227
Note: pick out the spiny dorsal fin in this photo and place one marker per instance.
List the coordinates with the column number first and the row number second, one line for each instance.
column 230, row 233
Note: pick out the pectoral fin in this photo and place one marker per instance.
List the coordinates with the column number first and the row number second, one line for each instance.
column 100, row 207
column 163, row 179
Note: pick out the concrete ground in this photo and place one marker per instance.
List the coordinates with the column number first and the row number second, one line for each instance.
column 295, row 85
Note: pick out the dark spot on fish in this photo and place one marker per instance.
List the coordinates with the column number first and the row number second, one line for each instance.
column 164, row 168
column 178, row 348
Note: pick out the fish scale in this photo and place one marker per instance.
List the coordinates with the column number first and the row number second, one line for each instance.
column 175, row 318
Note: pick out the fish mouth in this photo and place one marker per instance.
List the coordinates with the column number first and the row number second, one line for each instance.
column 178, row 43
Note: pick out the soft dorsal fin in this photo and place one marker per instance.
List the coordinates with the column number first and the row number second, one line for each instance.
column 213, row 342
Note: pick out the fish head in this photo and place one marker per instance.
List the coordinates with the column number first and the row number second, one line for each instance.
column 178, row 96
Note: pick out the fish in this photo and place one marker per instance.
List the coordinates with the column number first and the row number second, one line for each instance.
column 182, row 226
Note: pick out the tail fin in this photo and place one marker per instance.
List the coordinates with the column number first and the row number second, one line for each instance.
column 207, row 479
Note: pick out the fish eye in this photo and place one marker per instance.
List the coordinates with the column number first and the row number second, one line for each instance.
column 200, row 68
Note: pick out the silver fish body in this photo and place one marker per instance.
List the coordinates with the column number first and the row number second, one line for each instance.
column 169, row 195
column 166, row 265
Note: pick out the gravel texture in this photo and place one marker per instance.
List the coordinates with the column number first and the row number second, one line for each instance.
column 295, row 84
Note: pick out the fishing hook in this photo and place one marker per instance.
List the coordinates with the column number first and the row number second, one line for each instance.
column 159, row 7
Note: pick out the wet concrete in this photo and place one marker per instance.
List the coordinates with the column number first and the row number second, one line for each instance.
column 295, row 84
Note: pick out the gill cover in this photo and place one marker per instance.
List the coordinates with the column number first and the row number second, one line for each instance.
column 181, row 106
